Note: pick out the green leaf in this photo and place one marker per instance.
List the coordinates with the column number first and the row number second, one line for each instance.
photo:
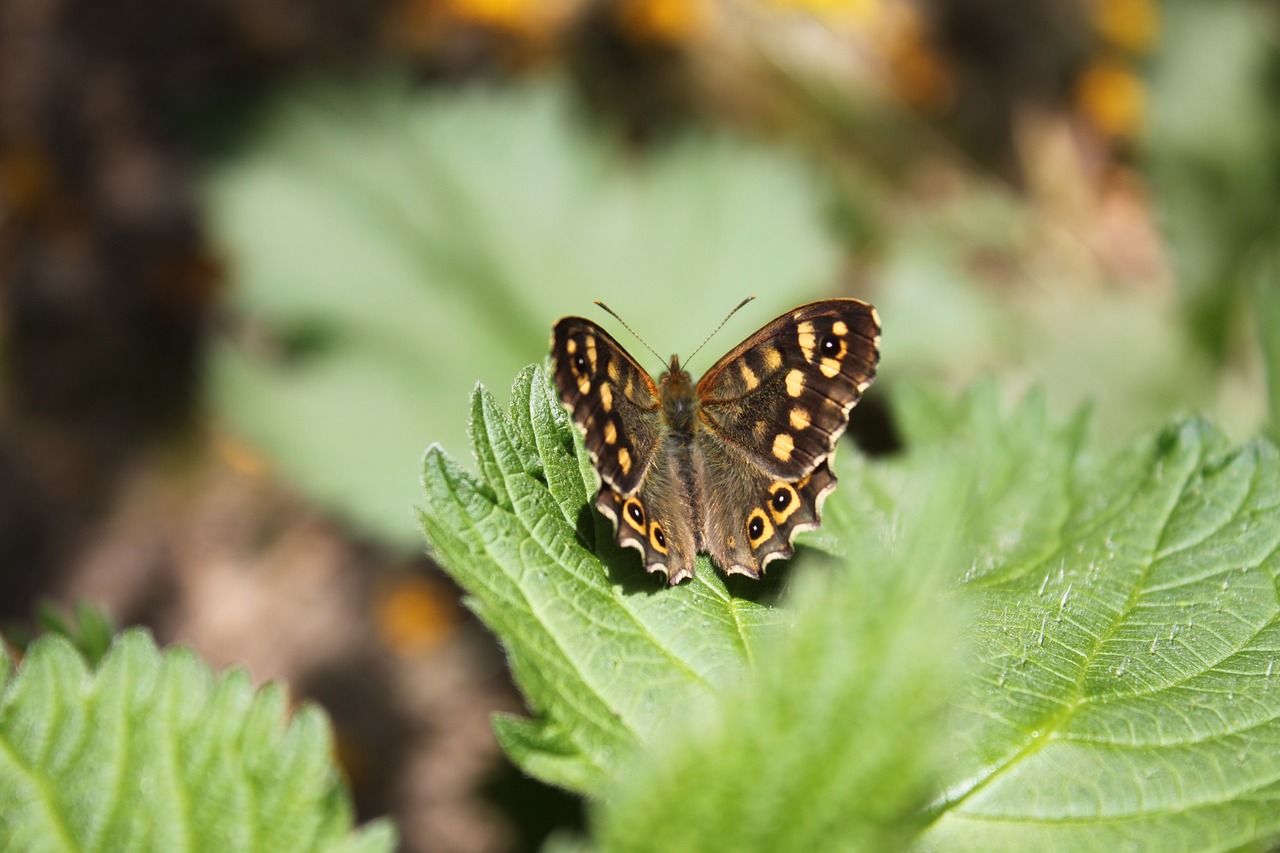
column 1120, row 640
column 605, row 655
column 1266, row 299
column 89, row 630
column 152, row 752
column 392, row 247
column 1124, row 692
column 1210, row 154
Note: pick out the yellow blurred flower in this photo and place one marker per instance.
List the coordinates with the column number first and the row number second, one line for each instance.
column 238, row 455
column 663, row 21
column 1112, row 98
column 1131, row 25
column 862, row 9
column 515, row 15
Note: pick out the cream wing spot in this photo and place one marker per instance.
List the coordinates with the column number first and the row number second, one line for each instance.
column 571, row 346
column 606, row 397
column 610, row 433
column 624, row 460
column 799, row 418
column 584, row 384
column 749, row 377
column 806, row 339
column 830, row 367
column 771, row 357
column 795, row 383
column 839, row 328
column 591, row 352
column 613, row 369
column 783, row 444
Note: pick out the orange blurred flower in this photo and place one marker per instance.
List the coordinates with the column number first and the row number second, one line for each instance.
column 413, row 615
column 663, row 21
column 919, row 74
column 1112, row 98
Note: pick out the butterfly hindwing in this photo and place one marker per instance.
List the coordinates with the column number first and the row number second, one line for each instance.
column 782, row 397
column 655, row 521
column 612, row 399
column 751, row 527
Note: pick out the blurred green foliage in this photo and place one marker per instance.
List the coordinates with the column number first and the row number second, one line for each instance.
column 392, row 248
column 1212, row 152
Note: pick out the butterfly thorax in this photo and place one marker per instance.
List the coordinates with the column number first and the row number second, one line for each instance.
column 679, row 399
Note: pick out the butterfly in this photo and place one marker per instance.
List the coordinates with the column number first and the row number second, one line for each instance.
column 735, row 465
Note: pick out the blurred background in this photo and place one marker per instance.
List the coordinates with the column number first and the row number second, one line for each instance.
column 255, row 255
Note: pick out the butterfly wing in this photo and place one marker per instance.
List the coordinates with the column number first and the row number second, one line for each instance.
column 657, row 521
column 782, row 397
column 771, row 412
column 612, row 399
column 754, row 518
column 617, row 406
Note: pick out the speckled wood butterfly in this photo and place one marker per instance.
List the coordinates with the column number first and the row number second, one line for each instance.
column 736, row 465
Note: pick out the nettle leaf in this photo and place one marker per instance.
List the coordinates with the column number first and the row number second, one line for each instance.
column 1112, row 687
column 151, row 751
column 605, row 655
column 835, row 740
column 1125, row 634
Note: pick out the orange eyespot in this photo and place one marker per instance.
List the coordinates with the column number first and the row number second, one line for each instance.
column 758, row 528
column 784, row 501
column 633, row 512
column 657, row 538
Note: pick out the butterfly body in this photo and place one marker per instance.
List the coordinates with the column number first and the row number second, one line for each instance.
column 734, row 465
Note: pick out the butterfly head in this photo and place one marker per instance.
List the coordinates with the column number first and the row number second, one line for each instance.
column 679, row 399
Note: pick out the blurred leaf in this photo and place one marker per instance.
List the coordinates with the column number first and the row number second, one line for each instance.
column 396, row 247
column 1211, row 152
column 152, row 752
column 89, row 629
column 1267, row 300
column 1125, row 351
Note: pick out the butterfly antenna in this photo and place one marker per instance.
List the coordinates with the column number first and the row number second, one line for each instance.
column 629, row 329
column 718, row 328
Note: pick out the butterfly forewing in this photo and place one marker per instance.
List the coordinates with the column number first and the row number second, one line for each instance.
column 612, row 399
column 783, row 396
